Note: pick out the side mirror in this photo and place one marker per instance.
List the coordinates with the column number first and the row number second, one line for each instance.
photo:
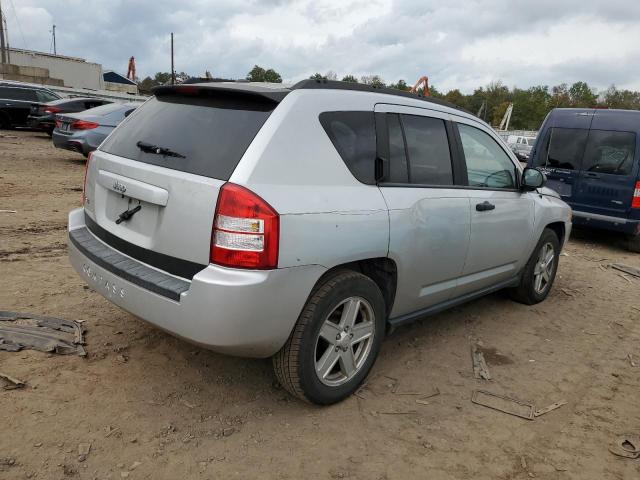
column 532, row 178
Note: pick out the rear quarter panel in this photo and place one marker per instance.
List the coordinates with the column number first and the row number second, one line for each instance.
column 327, row 216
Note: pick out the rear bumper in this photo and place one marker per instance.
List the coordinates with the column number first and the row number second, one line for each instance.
column 41, row 123
column 239, row 312
column 606, row 222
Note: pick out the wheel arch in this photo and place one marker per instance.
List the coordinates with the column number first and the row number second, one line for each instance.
column 382, row 270
column 559, row 229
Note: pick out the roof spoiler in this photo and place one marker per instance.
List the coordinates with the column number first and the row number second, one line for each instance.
column 246, row 90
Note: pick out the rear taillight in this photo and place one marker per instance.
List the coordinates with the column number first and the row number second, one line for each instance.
column 246, row 230
column 52, row 109
column 635, row 203
column 84, row 183
column 83, row 125
column 58, row 123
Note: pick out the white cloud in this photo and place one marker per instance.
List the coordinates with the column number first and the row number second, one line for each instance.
column 458, row 44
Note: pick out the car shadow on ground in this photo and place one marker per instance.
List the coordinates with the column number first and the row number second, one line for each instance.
column 588, row 237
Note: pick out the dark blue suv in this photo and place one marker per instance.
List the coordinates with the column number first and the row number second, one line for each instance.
column 590, row 157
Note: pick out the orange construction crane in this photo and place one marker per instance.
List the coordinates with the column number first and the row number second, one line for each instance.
column 424, row 83
column 131, row 72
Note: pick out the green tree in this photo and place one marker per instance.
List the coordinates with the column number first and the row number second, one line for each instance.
column 582, row 95
column 625, row 99
column 401, row 85
column 259, row 74
column 560, row 97
column 317, row 76
column 456, row 97
column 349, row 78
column 530, row 107
column 373, row 80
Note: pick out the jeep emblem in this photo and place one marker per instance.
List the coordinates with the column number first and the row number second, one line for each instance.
column 118, row 187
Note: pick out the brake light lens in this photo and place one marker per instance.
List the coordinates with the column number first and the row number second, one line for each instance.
column 635, row 203
column 83, row 125
column 58, row 124
column 84, row 182
column 52, row 109
column 246, row 230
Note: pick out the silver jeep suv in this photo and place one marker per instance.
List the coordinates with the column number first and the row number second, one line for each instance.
column 305, row 222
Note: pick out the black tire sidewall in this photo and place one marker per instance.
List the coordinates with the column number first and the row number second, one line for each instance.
column 547, row 236
column 314, row 389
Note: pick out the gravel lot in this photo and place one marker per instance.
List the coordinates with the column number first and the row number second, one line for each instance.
column 152, row 406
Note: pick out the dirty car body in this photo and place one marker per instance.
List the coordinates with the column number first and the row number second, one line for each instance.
column 217, row 211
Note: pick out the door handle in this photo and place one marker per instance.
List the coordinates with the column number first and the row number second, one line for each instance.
column 592, row 175
column 485, row 206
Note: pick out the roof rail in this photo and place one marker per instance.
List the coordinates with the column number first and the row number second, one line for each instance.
column 314, row 84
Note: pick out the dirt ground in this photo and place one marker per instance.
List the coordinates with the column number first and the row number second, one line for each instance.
column 152, row 406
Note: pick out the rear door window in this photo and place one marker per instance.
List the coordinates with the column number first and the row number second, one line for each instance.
column 398, row 167
column 24, row 94
column 610, row 152
column 428, row 150
column 353, row 135
column 210, row 133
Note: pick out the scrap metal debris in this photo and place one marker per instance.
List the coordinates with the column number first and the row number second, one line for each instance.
column 20, row 331
column 549, row 408
column 626, row 269
column 512, row 406
column 9, row 383
column 480, row 369
column 627, row 446
column 503, row 404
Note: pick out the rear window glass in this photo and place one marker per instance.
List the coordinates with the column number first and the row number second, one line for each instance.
column 354, row 136
column 106, row 109
column 45, row 97
column 610, row 152
column 18, row 94
column 564, row 148
column 210, row 134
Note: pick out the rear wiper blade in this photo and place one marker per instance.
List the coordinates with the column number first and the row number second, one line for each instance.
column 165, row 152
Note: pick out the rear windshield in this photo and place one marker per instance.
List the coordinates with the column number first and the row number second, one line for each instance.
column 105, row 109
column 204, row 135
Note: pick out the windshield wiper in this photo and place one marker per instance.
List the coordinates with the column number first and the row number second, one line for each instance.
column 165, row 152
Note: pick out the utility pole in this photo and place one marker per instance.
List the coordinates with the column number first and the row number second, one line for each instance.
column 3, row 46
column 55, row 52
column 173, row 72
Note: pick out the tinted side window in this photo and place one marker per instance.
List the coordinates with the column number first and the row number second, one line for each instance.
column 487, row 163
column 564, row 149
column 18, row 94
column 354, row 136
column 610, row 152
column 398, row 168
column 428, row 149
column 44, row 96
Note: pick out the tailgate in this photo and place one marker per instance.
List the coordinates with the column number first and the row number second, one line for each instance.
column 166, row 164
column 176, row 208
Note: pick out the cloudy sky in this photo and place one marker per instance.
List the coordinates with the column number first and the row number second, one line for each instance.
column 458, row 44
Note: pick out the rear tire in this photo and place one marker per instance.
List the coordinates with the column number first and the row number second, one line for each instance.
column 335, row 341
column 540, row 271
column 633, row 243
column 5, row 121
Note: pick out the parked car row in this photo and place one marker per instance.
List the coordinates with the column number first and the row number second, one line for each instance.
column 521, row 146
column 77, row 123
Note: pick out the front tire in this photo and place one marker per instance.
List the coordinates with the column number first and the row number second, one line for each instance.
column 335, row 341
column 540, row 271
